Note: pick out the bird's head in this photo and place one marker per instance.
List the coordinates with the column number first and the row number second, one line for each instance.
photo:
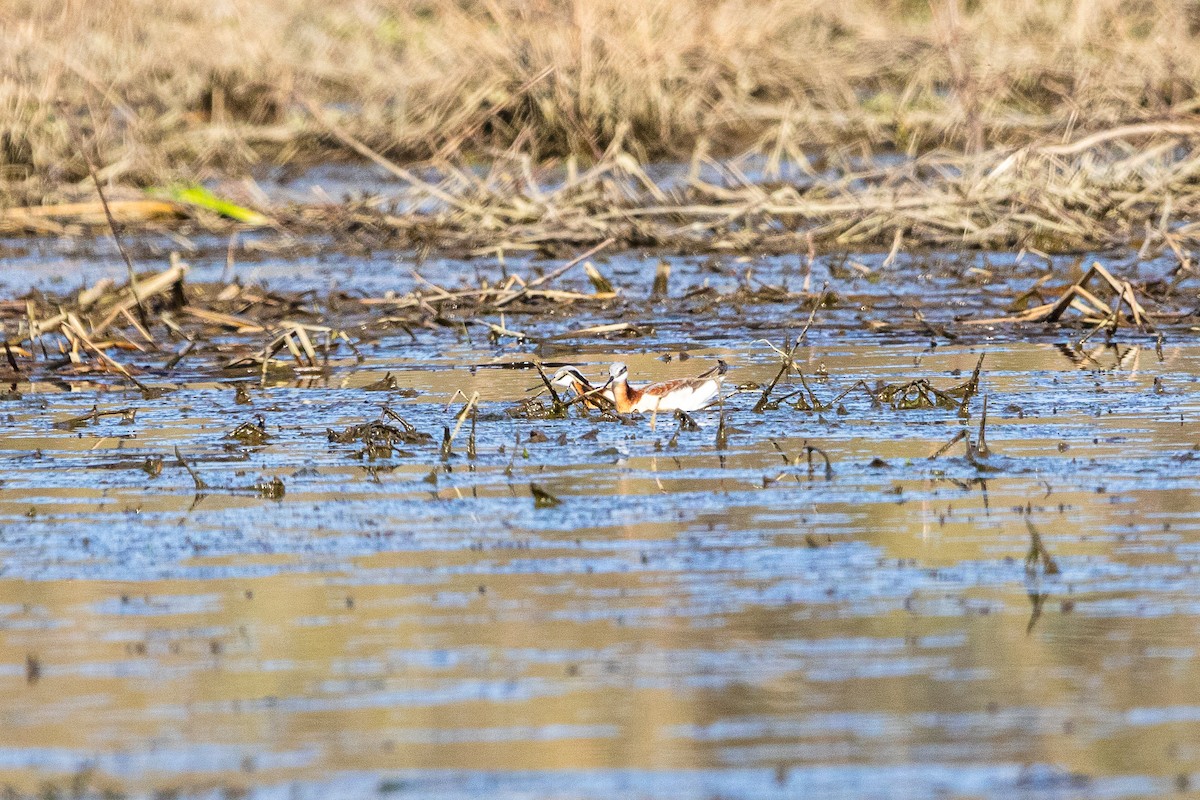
column 567, row 377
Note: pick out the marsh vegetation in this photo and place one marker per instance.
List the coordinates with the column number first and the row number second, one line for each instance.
column 292, row 503
column 1051, row 125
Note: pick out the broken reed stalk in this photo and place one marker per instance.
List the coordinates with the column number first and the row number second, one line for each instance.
column 600, row 283
column 766, row 395
column 814, row 401
column 12, row 359
column 199, row 483
column 471, row 450
column 558, row 273
column 981, row 449
column 788, row 362
column 162, row 282
column 1092, row 309
column 594, row 396
column 1038, row 552
column 972, row 385
column 75, row 331
column 810, row 449
column 813, row 313
column 558, row 403
column 93, row 416
column 958, row 437
column 464, row 413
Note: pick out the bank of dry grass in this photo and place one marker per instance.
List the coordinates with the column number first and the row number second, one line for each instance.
column 1133, row 186
column 167, row 89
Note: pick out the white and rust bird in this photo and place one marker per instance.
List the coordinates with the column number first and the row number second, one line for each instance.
column 682, row 394
column 572, row 379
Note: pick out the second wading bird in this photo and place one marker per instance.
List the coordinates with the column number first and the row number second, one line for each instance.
column 574, row 380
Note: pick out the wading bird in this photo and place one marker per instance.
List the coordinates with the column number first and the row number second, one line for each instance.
column 572, row 379
column 684, row 394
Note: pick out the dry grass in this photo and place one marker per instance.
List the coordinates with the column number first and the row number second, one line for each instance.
column 1102, row 191
column 170, row 89
column 188, row 85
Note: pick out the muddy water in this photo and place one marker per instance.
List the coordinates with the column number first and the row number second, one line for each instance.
column 689, row 621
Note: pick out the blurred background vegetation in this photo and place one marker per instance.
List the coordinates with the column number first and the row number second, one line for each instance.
column 184, row 89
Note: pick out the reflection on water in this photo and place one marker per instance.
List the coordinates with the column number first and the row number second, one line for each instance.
column 689, row 622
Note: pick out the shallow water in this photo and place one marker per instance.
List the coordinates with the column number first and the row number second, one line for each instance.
column 688, row 622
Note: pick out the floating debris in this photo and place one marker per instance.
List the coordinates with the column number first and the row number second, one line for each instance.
column 916, row 394
column 385, row 384
column 127, row 415
column 379, row 438
column 153, row 466
column 542, row 498
column 272, row 489
column 1090, row 308
column 251, row 433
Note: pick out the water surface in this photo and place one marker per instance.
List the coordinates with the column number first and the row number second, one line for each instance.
column 690, row 620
